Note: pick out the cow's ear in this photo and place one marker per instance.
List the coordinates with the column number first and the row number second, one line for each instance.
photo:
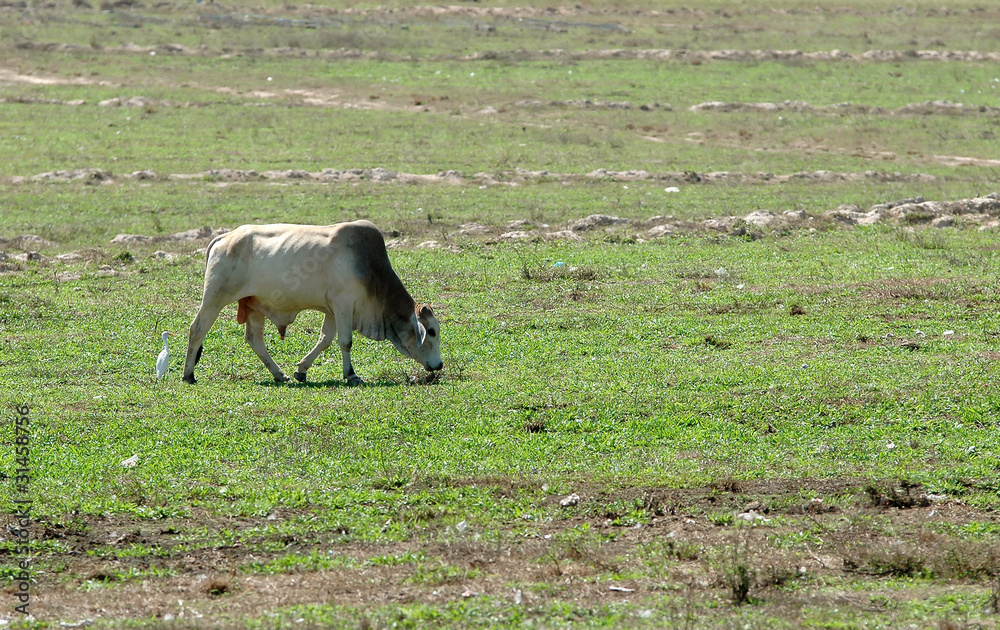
column 425, row 311
column 419, row 329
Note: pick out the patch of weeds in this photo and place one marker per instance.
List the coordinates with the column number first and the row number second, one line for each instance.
column 718, row 344
column 535, row 426
column 968, row 561
column 102, row 578
column 929, row 559
column 737, row 573
column 441, row 574
column 721, row 519
column 931, row 239
column 579, row 544
column 777, row 576
column 218, row 588
column 727, row 484
column 620, row 239
column 626, row 513
column 541, row 273
column 407, row 557
column 680, row 550
column 892, row 497
column 299, row 563
column 100, row 575
column 899, row 563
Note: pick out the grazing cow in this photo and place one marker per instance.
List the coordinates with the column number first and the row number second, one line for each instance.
column 343, row 271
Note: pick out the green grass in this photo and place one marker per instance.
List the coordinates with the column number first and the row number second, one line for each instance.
column 620, row 376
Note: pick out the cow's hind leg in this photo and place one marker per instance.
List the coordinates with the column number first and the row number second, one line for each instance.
column 254, row 335
column 326, row 337
column 203, row 321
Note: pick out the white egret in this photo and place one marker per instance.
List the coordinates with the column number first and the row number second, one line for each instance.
column 163, row 361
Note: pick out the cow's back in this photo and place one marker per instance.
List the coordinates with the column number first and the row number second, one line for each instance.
column 300, row 266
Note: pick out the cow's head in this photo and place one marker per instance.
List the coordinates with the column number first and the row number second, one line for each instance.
column 424, row 345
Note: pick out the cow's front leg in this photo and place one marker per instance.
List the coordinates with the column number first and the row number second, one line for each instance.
column 345, row 332
column 254, row 335
column 206, row 316
column 325, row 339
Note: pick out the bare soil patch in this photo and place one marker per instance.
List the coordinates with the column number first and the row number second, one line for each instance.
column 684, row 530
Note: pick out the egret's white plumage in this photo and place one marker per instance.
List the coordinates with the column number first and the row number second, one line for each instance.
column 163, row 361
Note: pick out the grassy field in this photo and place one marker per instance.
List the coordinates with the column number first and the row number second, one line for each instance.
column 682, row 419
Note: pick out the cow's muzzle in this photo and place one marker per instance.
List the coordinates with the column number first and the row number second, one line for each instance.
column 435, row 368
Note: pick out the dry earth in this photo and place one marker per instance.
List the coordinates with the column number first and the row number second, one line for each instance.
column 217, row 582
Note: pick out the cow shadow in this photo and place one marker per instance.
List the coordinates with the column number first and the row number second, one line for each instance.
column 332, row 383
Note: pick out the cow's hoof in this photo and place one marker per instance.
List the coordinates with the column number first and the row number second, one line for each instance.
column 354, row 379
column 281, row 378
column 189, row 379
column 300, row 376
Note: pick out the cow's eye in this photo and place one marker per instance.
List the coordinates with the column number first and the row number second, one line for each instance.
column 431, row 332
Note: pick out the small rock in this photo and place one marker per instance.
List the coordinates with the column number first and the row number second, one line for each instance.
column 382, row 175
column 516, row 235
column 594, row 221
column 468, row 229
column 131, row 238
column 196, row 234
column 570, row 501
column 752, row 516
column 759, row 218
column 566, row 235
